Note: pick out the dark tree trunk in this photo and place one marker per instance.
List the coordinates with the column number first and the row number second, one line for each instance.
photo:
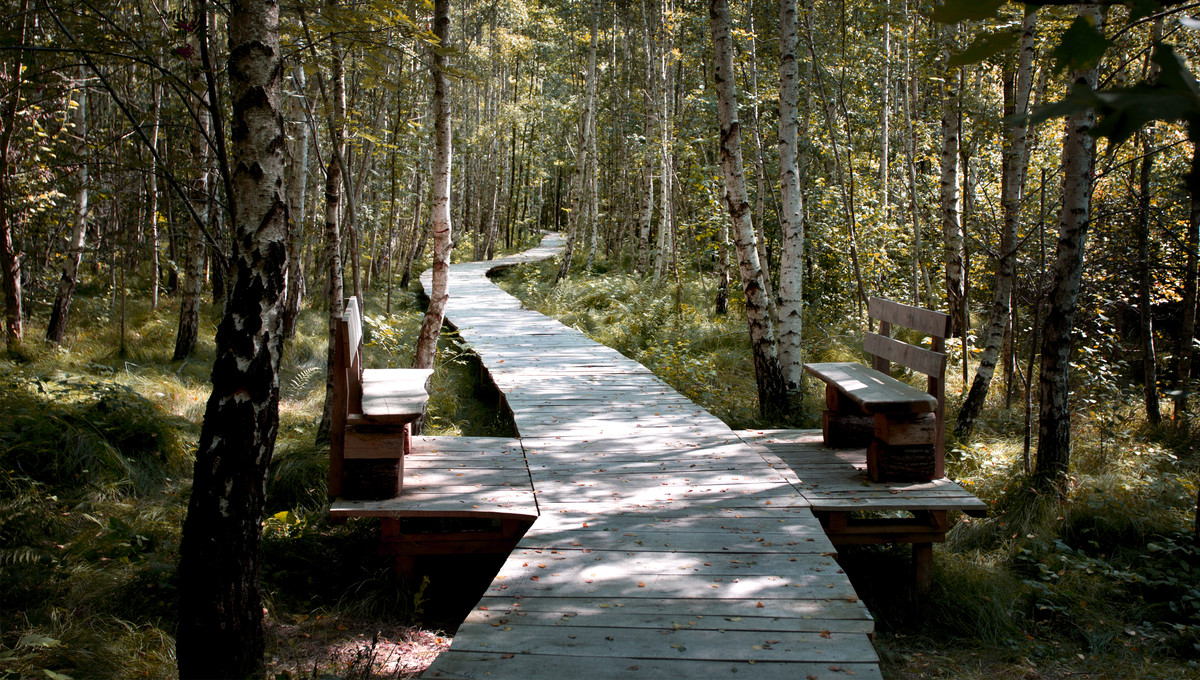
column 1149, row 361
column 1078, row 160
column 10, row 263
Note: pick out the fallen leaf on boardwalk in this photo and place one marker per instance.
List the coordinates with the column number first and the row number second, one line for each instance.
column 632, row 668
column 759, row 605
column 605, row 605
column 533, row 578
column 509, row 656
column 641, row 585
column 826, row 634
column 835, row 668
column 483, row 608
column 679, row 647
column 541, row 566
column 810, row 676
column 759, row 647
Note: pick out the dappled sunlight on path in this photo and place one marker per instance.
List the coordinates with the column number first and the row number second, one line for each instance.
column 665, row 546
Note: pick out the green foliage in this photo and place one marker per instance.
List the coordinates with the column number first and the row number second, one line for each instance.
column 97, row 438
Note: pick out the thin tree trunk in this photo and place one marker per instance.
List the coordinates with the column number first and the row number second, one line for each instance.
column 152, row 197
column 1078, row 160
column 193, row 268
column 769, row 377
column 220, row 611
column 591, row 194
column 56, row 328
column 1146, row 326
column 847, row 197
column 297, row 190
column 952, row 236
column 334, row 285
column 414, row 251
column 791, row 216
column 10, row 262
column 1016, row 104
column 439, row 292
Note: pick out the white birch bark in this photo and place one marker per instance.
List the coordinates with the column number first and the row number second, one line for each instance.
column 1013, row 182
column 769, row 377
column 791, row 216
column 1078, row 161
column 442, row 229
column 952, row 237
column 56, row 328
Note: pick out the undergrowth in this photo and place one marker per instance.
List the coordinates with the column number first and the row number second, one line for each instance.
column 96, row 453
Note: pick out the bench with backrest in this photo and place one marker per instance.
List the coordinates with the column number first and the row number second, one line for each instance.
column 902, row 427
column 373, row 413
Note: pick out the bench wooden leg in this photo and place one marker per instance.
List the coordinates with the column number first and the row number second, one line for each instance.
column 406, row 566
column 922, row 559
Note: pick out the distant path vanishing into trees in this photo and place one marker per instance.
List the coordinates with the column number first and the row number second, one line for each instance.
column 666, row 547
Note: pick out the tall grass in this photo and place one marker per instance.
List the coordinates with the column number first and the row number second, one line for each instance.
column 96, row 449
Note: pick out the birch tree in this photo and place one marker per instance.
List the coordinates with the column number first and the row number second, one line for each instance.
column 439, row 293
column 1017, row 104
column 56, row 328
column 772, row 400
column 220, row 630
column 1078, row 160
column 952, row 236
column 791, row 216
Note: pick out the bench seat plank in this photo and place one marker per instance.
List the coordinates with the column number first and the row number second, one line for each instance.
column 393, row 396
column 874, row 391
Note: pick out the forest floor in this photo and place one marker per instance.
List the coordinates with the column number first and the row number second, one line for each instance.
column 95, row 458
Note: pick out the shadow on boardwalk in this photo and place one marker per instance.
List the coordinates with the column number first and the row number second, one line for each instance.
column 665, row 546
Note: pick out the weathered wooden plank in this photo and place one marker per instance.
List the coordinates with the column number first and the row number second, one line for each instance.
column 500, row 666
column 695, row 542
column 786, row 614
column 910, row 356
column 874, row 391
column 698, row 645
column 922, row 320
column 393, row 394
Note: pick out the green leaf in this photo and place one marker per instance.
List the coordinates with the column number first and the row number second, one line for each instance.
column 1174, row 72
column 1124, row 112
column 954, row 11
column 1080, row 47
column 983, row 46
column 56, row 676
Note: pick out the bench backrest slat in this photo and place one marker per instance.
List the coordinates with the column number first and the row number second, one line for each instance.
column 927, row 321
column 910, row 356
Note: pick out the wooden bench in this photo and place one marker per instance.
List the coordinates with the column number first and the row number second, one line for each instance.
column 480, row 483
column 373, row 412
column 902, row 427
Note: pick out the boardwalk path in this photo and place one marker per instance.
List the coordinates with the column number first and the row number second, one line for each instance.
column 665, row 546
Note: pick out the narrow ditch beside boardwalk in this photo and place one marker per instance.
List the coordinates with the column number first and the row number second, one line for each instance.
column 665, row 547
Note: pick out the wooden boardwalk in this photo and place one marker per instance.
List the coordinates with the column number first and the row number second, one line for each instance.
column 665, row 545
